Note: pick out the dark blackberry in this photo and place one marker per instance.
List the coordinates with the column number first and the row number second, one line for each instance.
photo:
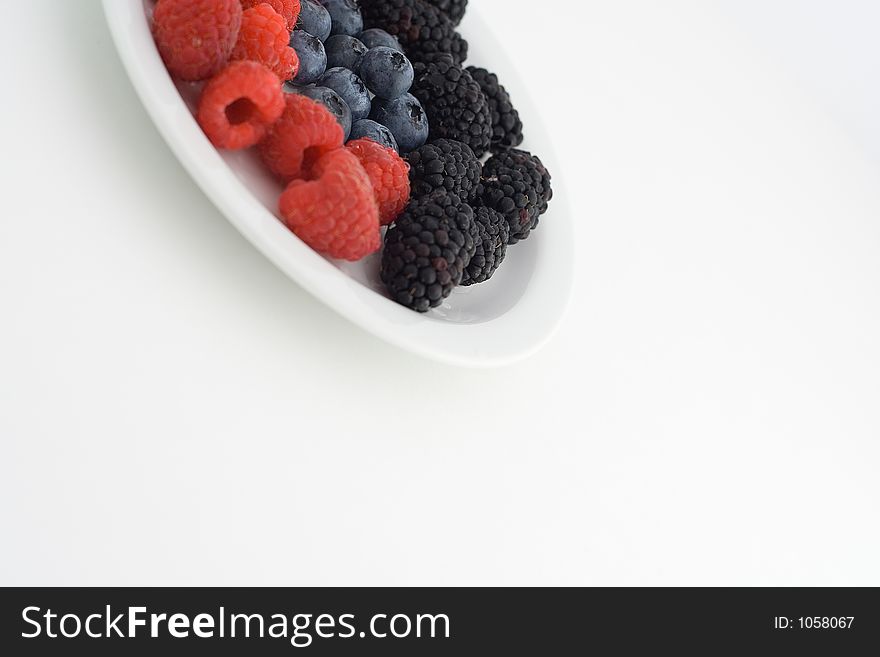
column 455, row 104
column 444, row 164
column 493, row 233
column 507, row 129
column 421, row 28
column 456, row 209
column 427, row 250
column 454, row 9
column 516, row 184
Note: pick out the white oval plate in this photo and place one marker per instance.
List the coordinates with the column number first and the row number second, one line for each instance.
column 496, row 323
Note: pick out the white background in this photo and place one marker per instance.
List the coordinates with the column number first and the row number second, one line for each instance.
column 173, row 410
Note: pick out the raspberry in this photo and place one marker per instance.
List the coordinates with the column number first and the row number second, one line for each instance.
column 264, row 38
column 196, row 37
column 389, row 175
column 239, row 104
column 336, row 213
column 306, row 131
column 289, row 9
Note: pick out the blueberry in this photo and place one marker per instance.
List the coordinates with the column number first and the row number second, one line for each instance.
column 350, row 88
column 331, row 100
column 369, row 129
column 386, row 72
column 312, row 56
column 375, row 37
column 346, row 16
column 406, row 119
column 345, row 51
column 314, row 19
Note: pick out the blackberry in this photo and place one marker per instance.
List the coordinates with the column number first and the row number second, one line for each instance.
column 493, row 232
column 516, row 184
column 456, row 209
column 507, row 129
column 421, row 28
column 454, row 9
column 427, row 250
column 444, row 164
column 455, row 104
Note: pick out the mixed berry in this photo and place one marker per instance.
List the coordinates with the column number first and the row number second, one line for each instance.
column 383, row 139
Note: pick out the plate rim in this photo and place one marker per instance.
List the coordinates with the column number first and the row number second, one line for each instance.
column 504, row 340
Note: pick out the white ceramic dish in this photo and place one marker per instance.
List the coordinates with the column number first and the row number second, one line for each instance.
column 496, row 323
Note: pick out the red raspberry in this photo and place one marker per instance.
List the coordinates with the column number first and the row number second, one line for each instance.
column 306, row 131
column 239, row 104
column 264, row 38
column 196, row 37
column 335, row 214
column 288, row 8
column 389, row 175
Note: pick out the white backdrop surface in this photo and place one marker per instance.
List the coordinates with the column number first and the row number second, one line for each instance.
column 173, row 410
